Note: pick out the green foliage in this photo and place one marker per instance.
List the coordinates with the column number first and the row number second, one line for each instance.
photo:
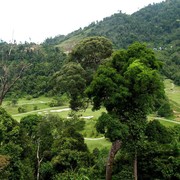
column 29, row 97
column 71, row 175
column 58, row 101
column 30, row 123
column 14, row 144
column 22, row 109
column 91, row 51
column 156, row 24
column 158, row 157
column 44, row 60
column 123, row 168
column 61, row 146
column 111, row 127
column 158, row 162
column 170, row 57
column 9, row 128
column 127, row 83
column 71, row 80
column 14, row 102
column 128, row 86
column 54, row 139
column 157, row 132
column 47, row 170
column 165, row 110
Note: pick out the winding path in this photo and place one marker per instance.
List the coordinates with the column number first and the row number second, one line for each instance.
column 176, row 122
column 94, row 139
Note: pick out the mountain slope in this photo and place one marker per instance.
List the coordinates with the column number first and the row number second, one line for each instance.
column 157, row 24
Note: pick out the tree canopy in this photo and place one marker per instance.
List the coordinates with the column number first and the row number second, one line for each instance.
column 91, row 51
column 128, row 86
column 128, row 82
column 71, row 80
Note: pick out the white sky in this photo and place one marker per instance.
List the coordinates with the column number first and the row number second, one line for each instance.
column 23, row 20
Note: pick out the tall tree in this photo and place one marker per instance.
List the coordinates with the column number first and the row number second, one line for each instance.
column 91, row 51
column 127, row 86
column 71, row 80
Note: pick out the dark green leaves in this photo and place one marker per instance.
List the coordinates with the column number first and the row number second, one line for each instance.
column 91, row 51
column 111, row 127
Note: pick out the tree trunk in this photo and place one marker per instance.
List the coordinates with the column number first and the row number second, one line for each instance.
column 1, row 100
column 114, row 149
column 38, row 159
column 135, row 166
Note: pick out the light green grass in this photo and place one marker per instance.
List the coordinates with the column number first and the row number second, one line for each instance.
column 86, row 113
column 41, row 112
column 90, row 129
column 172, row 91
column 40, row 103
column 68, row 44
column 167, row 124
column 100, row 144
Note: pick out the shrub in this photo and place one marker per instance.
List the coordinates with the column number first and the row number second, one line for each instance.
column 35, row 107
column 29, row 97
column 165, row 110
column 14, row 102
column 58, row 101
column 22, row 109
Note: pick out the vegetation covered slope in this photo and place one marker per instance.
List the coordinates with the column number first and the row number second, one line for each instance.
column 157, row 24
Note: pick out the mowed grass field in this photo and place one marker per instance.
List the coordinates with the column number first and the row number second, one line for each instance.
column 41, row 106
column 173, row 93
column 97, row 143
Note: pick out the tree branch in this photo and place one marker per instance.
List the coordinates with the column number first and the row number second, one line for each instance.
column 7, row 85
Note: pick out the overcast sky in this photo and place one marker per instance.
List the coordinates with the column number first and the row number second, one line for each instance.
column 35, row 20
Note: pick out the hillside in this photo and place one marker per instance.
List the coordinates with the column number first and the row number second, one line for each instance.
column 157, row 24
column 61, row 112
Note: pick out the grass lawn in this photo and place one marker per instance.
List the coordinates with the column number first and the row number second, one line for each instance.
column 100, row 144
column 173, row 93
column 168, row 124
column 29, row 105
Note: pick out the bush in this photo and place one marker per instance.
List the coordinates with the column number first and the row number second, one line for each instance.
column 58, row 101
column 35, row 107
column 165, row 110
column 29, row 97
column 14, row 102
column 22, row 109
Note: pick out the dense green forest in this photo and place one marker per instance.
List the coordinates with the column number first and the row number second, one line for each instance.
column 120, row 66
column 158, row 25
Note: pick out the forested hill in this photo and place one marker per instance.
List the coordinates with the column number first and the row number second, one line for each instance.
column 157, row 24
